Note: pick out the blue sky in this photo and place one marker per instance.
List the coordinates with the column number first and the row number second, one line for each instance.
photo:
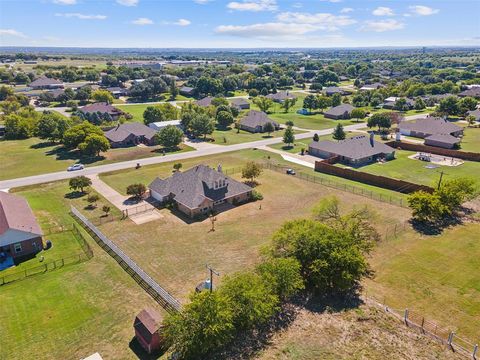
column 239, row 23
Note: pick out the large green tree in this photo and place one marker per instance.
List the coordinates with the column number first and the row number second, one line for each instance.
column 169, row 137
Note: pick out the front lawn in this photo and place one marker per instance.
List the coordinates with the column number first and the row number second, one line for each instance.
column 471, row 139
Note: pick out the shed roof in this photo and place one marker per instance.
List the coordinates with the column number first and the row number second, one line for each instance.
column 150, row 319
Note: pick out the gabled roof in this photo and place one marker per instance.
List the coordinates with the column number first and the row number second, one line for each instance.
column 15, row 214
column 101, row 107
column 280, row 96
column 256, row 118
column 430, row 125
column 239, row 101
column 45, row 81
column 357, row 147
column 475, row 92
column 444, row 138
column 123, row 131
column 150, row 319
column 206, row 101
column 475, row 113
column 186, row 89
column 193, row 186
column 340, row 110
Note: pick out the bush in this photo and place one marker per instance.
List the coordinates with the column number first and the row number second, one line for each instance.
column 136, row 190
column 256, row 195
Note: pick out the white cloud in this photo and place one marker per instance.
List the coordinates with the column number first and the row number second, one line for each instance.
column 423, row 10
column 82, row 16
column 346, row 10
column 265, row 30
column 12, row 32
column 142, row 21
column 323, row 21
column 65, row 2
column 383, row 25
column 128, row 2
column 253, row 5
column 383, row 11
column 297, row 5
column 182, row 22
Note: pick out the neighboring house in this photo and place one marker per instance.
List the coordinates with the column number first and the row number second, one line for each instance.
column 2, row 131
column 186, row 90
column 331, row 90
column 280, row 96
column 410, row 104
column 373, row 86
column 56, row 93
column 102, row 108
column 148, row 327
column 46, row 83
column 159, row 125
column 473, row 92
column 436, row 98
column 240, row 103
column 475, row 114
column 255, row 122
column 206, row 101
column 342, row 111
column 130, row 134
column 20, row 234
column 425, row 127
column 199, row 190
column 357, row 150
column 445, row 141
column 117, row 91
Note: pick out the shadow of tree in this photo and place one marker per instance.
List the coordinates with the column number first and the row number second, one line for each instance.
column 43, row 145
column 74, row 195
column 436, row 228
column 62, row 153
column 140, row 352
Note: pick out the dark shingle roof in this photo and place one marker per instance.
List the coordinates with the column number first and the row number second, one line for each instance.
column 357, row 147
column 474, row 92
column 430, row 125
column 280, row 96
column 123, row 131
column 239, row 101
column 444, row 138
column 206, row 101
column 45, row 81
column 101, row 107
column 256, row 118
column 339, row 110
column 475, row 113
column 193, row 186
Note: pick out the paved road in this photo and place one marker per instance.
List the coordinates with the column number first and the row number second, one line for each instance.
column 93, row 170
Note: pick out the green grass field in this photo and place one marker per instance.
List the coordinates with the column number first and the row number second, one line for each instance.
column 471, row 139
column 30, row 157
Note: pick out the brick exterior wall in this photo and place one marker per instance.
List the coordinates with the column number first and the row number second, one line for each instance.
column 29, row 247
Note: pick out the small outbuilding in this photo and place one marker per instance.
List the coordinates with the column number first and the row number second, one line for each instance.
column 148, row 330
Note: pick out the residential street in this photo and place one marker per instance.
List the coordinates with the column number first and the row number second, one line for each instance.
column 93, row 170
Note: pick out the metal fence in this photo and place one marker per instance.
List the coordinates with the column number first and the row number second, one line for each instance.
column 159, row 294
column 440, row 333
column 86, row 255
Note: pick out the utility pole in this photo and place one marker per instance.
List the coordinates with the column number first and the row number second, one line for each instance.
column 212, row 271
column 440, row 180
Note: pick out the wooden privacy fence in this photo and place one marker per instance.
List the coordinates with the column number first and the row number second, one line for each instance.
column 384, row 182
column 159, row 294
column 430, row 328
column 47, row 266
column 464, row 155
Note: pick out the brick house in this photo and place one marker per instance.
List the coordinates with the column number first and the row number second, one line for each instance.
column 44, row 82
column 20, row 234
column 423, row 128
column 130, row 134
column 255, row 122
column 199, row 190
column 102, row 108
column 342, row 111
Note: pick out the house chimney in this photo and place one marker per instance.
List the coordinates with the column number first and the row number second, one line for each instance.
column 371, row 138
column 219, row 168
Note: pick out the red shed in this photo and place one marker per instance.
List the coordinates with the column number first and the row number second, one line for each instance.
column 148, row 325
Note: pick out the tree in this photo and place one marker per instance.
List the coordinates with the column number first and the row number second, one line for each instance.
column 471, row 120
column 169, row 137
column 331, row 259
column 425, row 207
column 289, row 136
column 448, row 106
column 106, row 209
column 358, row 114
column 269, row 128
column 202, row 125
column 92, row 199
column 287, row 104
column 401, row 104
column 316, row 137
column 252, row 300
column 339, row 133
column 282, row 275
column 153, row 114
column 77, row 134
column 382, row 120
column 79, row 182
column 94, row 144
column 322, row 102
column 224, row 119
column 52, row 126
column 419, row 104
column 19, row 127
column 263, row 103
column 102, row 96
column 251, row 171
column 173, row 91
column 309, row 102
column 136, row 190
column 177, row 166
column 202, row 326
column 466, row 104
column 5, row 92
column 336, row 99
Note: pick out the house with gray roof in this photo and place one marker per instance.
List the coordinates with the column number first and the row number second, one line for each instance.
column 354, row 151
column 44, row 82
column 475, row 114
column 331, row 90
column 199, row 190
column 186, row 90
column 425, row 127
column 240, row 103
column 206, row 101
column 472, row 92
column 280, row 96
column 130, row 134
column 342, row 111
column 445, row 141
column 409, row 104
column 102, row 108
column 255, row 122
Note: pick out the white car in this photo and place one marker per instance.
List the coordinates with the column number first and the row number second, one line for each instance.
column 75, row 167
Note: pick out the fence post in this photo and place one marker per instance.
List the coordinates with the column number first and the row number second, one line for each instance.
column 405, row 317
column 450, row 339
column 423, row 323
column 475, row 350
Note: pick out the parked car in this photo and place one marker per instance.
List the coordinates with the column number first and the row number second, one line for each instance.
column 75, row 167
column 290, row 172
